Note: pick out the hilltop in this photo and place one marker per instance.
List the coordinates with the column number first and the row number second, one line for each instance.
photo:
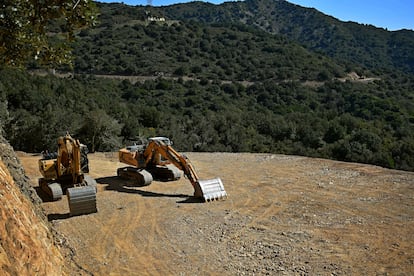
column 347, row 42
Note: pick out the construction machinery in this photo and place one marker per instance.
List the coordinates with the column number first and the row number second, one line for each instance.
column 64, row 172
column 158, row 160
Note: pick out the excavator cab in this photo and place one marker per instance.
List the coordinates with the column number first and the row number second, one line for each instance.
column 158, row 160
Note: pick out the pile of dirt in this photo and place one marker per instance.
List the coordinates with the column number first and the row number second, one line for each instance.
column 27, row 243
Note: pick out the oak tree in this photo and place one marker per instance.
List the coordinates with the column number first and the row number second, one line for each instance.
column 29, row 32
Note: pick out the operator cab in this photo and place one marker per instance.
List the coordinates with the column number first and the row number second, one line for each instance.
column 164, row 140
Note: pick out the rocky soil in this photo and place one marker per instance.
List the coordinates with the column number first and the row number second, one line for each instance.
column 284, row 215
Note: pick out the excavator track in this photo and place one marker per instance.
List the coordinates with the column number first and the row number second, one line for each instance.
column 140, row 177
column 210, row 189
column 53, row 189
column 165, row 173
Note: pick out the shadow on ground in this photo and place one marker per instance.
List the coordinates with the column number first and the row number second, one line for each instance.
column 43, row 196
column 51, row 217
column 114, row 183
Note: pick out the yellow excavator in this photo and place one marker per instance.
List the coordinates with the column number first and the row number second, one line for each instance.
column 158, row 160
column 64, row 173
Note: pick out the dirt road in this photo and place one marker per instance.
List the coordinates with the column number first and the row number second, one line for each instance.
column 284, row 215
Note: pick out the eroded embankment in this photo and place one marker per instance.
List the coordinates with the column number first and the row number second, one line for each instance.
column 26, row 241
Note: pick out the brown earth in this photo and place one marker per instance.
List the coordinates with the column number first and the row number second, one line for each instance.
column 284, row 215
column 26, row 239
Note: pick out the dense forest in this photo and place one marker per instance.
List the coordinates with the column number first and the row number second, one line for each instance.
column 223, row 85
column 372, row 47
column 218, row 52
column 359, row 122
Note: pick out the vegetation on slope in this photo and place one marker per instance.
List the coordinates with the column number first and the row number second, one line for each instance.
column 371, row 123
column 25, row 34
column 221, row 86
column 371, row 47
column 222, row 52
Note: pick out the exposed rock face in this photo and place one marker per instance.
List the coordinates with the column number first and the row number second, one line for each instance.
column 26, row 241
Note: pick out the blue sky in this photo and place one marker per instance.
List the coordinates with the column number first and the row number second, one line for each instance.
column 390, row 14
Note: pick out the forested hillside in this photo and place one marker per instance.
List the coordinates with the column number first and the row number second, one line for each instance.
column 370, row 123
column 219, row 52
column 214, row 85
column 366, row 45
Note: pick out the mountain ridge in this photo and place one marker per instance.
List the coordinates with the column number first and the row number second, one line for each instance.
column 311, row 28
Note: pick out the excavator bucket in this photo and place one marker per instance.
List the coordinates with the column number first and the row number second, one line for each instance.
column 82, row 200
column 210, row 189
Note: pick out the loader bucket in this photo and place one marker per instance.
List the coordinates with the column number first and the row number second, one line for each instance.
column 210, row 189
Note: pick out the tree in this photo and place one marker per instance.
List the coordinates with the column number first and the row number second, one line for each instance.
column 26, row 28
column 100, row 131
column 4, row 113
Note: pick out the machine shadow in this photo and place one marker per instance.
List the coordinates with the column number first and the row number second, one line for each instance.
column 43, row 196
column 51, row 217
column 116, row 184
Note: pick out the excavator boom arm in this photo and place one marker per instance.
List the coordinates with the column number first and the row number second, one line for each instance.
column 171, row 155
column 68, row 159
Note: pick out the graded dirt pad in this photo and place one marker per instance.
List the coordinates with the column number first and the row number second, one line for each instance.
column 284, row 215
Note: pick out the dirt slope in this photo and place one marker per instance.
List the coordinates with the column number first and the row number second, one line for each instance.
column 284, row 215
column 26, row 240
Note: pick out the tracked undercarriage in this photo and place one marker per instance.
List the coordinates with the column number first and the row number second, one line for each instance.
column 144, row 177
column 81, row 197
